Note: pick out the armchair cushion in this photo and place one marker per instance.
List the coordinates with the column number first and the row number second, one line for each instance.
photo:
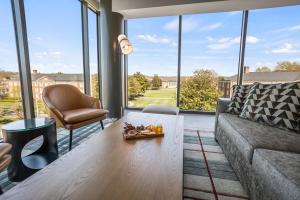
column 4, row 149
column 4, row 162
column 82, row 114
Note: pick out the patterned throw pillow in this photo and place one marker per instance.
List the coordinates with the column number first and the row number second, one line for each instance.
column 274, row 104
column 238, row 98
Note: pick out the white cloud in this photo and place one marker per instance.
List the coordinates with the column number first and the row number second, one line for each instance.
column 211, row 27
column 189, row 24
column 172, row 25
column 251, row 39
column 289, row 28
column 294, row 28
column 227, row 42
column 234, row 13
column 157, row 39
column 39, row 38
column 43, row 54
column 285, row 49
column 201, row 57
column 269, row 64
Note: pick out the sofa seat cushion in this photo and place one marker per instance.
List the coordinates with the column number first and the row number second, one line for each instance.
column 279, row 172
column 82, row 114
column 248, row 136
column 159, row 109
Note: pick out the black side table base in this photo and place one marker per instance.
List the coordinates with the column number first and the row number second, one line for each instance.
column 21, row 168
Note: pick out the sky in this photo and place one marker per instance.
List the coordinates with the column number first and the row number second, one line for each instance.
column 209, row 41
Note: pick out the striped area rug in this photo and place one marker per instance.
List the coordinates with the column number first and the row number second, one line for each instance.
column 207, row 172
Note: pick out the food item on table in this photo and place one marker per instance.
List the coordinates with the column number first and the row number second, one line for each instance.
column 132, row 132
column 151, row 128
column 128, row 127
column 140, row 128
column 159, row 129
column 145, row 132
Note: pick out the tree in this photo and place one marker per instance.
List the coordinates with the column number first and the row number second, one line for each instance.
column 18, row 109
column 263, row 69
column 95, row 85
column 4, row 77
column 143, row 81
column 156, row 82
column 200, row 91
column 134, row 87
column 287, row 66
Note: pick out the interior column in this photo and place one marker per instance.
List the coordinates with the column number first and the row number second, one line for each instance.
column 111, row 62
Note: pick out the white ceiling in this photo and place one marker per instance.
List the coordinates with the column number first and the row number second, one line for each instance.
column 151, row 8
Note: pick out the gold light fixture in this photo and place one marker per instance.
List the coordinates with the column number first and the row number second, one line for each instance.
column 125, row 45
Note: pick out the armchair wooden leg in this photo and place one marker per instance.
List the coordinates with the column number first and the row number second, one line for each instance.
column 70, row 141
column 102, row 126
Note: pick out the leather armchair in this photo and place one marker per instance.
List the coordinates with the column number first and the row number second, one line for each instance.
column 71, row 108
column 5, row 157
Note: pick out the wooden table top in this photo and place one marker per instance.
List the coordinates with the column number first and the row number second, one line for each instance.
column 108, row 167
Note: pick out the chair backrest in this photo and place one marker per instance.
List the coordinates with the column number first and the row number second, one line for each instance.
column 62, row 96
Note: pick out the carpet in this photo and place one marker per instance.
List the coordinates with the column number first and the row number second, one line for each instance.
column 207, row 172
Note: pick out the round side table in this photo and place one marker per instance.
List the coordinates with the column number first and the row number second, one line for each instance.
column 19, row 133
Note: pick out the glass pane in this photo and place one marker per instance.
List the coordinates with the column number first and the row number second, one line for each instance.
column 93, row 54
column 55, row 45
column 276, row 56
column 10, row 91
column 210, row 53
column 152, row 66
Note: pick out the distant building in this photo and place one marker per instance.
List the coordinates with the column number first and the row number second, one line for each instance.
column 40, row 80
column 168, row 81
column 262, row 77
column 12, row 86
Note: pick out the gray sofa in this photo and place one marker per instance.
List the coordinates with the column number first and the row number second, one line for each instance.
column 266, row 159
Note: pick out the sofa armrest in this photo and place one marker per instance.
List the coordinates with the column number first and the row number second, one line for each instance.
column 222, row 104
column 221, row 107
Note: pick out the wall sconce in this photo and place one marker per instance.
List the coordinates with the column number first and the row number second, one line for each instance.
column 125, row 45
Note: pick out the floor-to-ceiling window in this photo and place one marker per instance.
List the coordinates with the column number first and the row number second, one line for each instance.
column 55, row 45
column 10, row 90
column 278, row 48
column 93, row 53
column 210, row 53
column 152, row 66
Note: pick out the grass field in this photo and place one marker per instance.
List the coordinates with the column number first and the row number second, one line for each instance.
column 165, row 96
column 8, row 107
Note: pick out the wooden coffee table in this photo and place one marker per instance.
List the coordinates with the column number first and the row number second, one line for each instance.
column 108, row 167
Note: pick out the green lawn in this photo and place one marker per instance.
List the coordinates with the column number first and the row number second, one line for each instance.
column 166, row 96
column 8, row 109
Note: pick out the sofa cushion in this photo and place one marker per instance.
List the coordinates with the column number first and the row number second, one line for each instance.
column 238, row 98
column 279, row 173
column 160, row 109
column 248, row 136
column 83, row 114
column 274, row 104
